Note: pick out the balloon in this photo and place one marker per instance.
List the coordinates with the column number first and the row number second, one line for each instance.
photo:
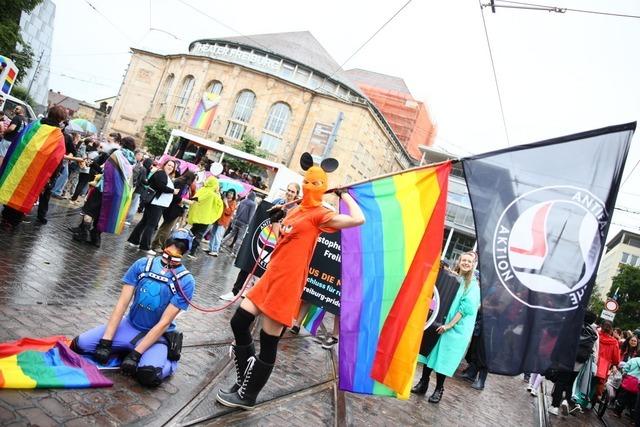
column 216, row 168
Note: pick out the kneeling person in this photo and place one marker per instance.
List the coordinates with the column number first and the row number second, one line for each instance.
column 148, row 333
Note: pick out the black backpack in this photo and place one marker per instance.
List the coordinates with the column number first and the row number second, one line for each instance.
column 588, row 337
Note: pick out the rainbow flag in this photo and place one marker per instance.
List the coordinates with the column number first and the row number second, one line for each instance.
column 313, row 319
column 205, row 111
column 30, row 161
column 116, row 193
column 389, row 268
column 46, row 363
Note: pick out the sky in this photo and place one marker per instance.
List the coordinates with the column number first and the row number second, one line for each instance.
column 558, row 73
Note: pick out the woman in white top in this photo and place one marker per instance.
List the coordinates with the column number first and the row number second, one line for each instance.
column 161, row 182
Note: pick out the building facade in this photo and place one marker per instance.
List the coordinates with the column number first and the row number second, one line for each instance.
column 79, row 109
column 624, row 248
column 283, row 89
column 36, row 29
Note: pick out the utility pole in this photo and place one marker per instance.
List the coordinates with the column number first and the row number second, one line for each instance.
column 35, row 73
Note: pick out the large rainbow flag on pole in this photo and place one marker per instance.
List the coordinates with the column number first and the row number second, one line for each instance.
column 389, row 268
column 116, row 193
column 205, row 111
column 46, row 363
column 30, row 161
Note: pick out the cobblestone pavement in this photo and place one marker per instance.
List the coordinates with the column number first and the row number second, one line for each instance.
column 50, row 285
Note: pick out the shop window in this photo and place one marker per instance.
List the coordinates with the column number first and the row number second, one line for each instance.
column 275, row 127
column 166, row 88
column 241, row 114
column 183, row 97
column 215, row 87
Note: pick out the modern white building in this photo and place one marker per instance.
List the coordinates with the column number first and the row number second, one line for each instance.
column 37, row 30
column 624, row 248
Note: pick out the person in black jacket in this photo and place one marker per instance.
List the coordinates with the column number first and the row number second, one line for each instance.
column 160, row 182
column 175, row 210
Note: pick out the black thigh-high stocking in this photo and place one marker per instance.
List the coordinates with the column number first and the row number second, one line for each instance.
column 268, row 347
column 241, row 326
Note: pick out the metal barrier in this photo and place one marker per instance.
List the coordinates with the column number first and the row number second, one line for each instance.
column 543, row 413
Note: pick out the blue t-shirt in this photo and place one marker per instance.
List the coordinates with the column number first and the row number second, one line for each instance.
column 151, row 297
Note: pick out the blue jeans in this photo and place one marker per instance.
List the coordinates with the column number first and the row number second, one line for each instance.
column 62, row 180
column 135, row 202
column 216, row 240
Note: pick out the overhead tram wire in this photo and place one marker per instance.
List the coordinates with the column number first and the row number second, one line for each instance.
column 495, row 76
column 557, row 9
column 630, row 173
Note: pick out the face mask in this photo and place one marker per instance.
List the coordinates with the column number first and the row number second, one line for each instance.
column 314, row 187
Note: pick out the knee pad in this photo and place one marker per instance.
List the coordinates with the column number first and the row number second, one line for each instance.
column 149, row 376
column 74, row 346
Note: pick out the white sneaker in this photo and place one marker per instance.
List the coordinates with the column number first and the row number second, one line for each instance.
column 529, row 388
column 553, row 410
column 229, row 296
column 564, row 407
column 127, row 223
column 533, row 392
column 213, row 253
column 132, row 245
column 191, row 256
column 150, row 252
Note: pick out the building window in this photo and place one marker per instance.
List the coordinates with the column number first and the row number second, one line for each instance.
column 302, row 75
column 242, row 111
column 319, row 140
column 287, row 70
column 275, row 127
column 215, row 87
column 166, row 88
column 183, row 98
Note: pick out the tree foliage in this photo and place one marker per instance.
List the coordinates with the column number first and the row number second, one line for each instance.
column 21, row 93
column 627, row 284
column 12, row 45
column 156, row 136
column 249, row 145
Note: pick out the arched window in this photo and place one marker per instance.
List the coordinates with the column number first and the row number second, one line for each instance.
column 245, row 102
column 166, row 88
column 183, row 97
column 214, row 86
column 275, row 127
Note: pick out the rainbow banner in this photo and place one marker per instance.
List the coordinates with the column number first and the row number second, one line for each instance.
column 30, row 161
column 46, row 363
column 116, row 193
column 313, row 319
column 389, row 268
column 205, row 111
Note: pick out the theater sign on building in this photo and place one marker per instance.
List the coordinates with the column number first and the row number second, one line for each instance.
column 284, row 89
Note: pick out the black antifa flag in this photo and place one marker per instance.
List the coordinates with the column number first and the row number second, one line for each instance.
column 541, row 213
column 259, row 241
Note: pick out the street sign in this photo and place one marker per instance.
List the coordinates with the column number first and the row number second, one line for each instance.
column 607, row 315
column 611, row 305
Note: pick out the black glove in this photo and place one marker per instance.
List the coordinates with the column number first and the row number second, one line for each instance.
column 130, row 363
column 103, row 351
column 276, row 214
column 339, row 192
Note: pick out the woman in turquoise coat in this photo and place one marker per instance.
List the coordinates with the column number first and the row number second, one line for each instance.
column 455, row 334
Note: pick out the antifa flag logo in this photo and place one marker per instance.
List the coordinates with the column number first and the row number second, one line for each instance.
column 263, row 243
column 546, row 246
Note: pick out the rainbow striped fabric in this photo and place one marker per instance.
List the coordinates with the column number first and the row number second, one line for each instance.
column 205, row 111
column 46, row 363
column 30, row 161
column 116, row 193
column 313, row 319
column 389, row 268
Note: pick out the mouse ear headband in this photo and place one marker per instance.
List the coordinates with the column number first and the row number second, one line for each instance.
column 328, row 165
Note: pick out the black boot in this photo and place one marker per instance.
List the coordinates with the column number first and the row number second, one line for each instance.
column 421, row 387
column 479, row 383
column 240, row 355
column 255, row 378
column 81, row 233
column 437, row 395
column 94, row 234
column 470, row 373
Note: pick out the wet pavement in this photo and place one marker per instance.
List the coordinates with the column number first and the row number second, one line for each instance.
column 50, row 285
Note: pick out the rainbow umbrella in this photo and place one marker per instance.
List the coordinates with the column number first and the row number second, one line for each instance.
column 81, row 125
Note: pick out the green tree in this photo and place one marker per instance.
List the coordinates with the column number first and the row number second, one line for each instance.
column 627, row 284
column 21, row 93
column 156, row 136
column 12, row 45
column 249, row 145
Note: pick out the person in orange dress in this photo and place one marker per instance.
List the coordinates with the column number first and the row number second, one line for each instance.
column 277, row 294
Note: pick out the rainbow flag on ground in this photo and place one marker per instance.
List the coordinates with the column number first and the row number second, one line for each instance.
column 46, row 363
column 116, row 193
column 30, row 161
column 313, row 319
column 205, row 111
column 389, row 267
